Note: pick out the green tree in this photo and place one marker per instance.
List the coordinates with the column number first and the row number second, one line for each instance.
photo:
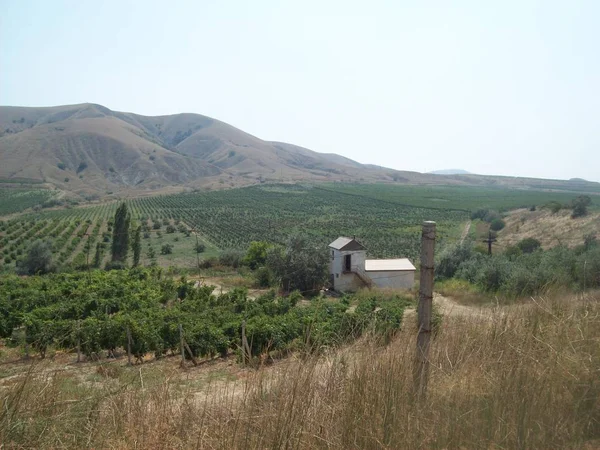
column 497, row 224
column 98, row 255
column 39, row 258
column 529, row 245
column 256, row 256
column 580, row 205
column 298, row 266
column 120, row 242
column 136, row 246
column 166, row 249
column 151, row 255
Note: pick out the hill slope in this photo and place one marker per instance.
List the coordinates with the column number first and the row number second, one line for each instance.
column 90, row 148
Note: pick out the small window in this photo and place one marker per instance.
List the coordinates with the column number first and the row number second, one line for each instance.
column 337, row 275
column 332, row 255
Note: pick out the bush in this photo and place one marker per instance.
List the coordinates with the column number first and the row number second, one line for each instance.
column 298, row 266
column 451, row 259
column 166, row 249
column 171, row 229
column 529, row 245
column 61, row 166
column 200, row 247
column 580, row 205
column 256, row 256
column 231, row 257
column 497, row 224
column 38, row 259
column 263, row 277
column 553, row 206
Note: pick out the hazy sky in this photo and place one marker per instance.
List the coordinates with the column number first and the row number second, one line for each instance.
column 495, row 87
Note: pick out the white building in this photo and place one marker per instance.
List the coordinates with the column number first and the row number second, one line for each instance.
column 349, row 268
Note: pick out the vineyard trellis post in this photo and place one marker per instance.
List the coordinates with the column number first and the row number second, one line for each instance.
column 181, row 347
column 421, row 368
column 128, row 346
column 78, row 340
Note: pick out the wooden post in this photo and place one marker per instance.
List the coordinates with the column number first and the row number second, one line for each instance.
column 421, row 369
column 26, row 343
column 181, row 346
column 245, row 347
column 128, row 346
column 78, row 340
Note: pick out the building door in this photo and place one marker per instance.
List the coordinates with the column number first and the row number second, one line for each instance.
column 347, row 263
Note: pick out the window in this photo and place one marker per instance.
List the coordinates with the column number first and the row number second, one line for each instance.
column 347, row 263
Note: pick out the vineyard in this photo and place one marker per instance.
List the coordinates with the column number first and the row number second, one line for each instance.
column 140, row 310
column 15, row 200
column 387, row 219
column 234, row 218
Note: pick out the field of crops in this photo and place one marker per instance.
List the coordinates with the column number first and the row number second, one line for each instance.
column 386, row 218
column 14, row 200
column 466, row 198
column 145, row 312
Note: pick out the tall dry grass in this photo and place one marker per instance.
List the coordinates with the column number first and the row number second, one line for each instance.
column 527, row 378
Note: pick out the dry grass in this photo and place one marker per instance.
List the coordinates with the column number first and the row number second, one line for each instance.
column 527, row 378
column 550, row 229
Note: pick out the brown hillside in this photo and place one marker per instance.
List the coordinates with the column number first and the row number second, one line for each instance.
column 90, row 149
column 98, row 150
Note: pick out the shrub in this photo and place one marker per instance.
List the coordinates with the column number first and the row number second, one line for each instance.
column 38, row 259
column 298, row 266
column 200, row 247
column 231, row 257
column 529, row 245
column 166, row 249
column 256, row 255
column 61, row 166
column 497, row 224
column 451, row 259
column 171, row 229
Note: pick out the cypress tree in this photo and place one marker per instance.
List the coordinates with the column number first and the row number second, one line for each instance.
column 136, row 246
column 120, row 241
column 98, row 255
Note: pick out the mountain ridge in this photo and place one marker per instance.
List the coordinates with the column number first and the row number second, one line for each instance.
column 89, row 149
column 111, row 150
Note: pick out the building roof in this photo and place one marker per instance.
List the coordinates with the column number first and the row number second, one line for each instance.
column 388, row 265
column 346, row 243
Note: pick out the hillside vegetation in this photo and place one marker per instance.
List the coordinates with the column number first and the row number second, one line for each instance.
column 519, row 377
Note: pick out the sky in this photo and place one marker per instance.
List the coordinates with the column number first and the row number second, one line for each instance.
column 505, row 87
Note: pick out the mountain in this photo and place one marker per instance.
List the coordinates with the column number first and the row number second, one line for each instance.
column 450, row 172
column 89, row 148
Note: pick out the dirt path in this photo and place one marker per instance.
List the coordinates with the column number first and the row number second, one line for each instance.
column 465, row 232
column 450, row 308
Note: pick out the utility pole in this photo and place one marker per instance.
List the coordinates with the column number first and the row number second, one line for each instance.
column 490, row 240
column 421, row 368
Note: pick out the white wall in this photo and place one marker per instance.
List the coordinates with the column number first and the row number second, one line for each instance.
column 346, row 281
column 395, row 279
